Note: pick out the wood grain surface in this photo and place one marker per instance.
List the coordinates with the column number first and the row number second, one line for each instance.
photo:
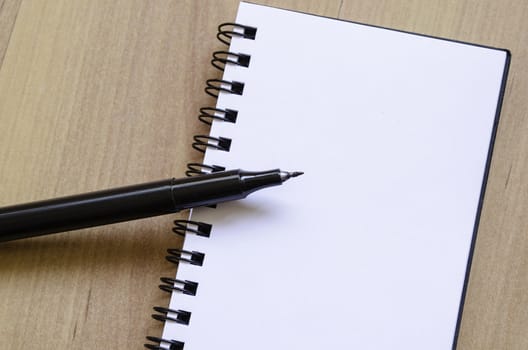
column 95, row 94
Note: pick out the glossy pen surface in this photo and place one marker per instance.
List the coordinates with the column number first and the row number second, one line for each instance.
column 132, row 202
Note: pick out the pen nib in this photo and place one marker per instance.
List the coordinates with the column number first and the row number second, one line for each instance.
column 285, row 175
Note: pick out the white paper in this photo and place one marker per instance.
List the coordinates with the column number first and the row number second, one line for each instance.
column 368, row 249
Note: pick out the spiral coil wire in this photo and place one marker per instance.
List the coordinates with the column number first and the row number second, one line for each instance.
column 214, row 87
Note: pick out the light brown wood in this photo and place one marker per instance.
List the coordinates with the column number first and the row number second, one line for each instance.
column 8, row 15
column 96, row 94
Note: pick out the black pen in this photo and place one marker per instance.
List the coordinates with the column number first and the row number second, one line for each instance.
column 132, row 202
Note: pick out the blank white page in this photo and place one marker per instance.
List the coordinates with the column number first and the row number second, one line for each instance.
column 369, row 248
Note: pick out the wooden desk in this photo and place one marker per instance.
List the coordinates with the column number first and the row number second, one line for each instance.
column 96, row 94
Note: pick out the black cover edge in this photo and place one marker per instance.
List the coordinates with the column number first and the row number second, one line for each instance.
column 490, row 149
column 482, row 195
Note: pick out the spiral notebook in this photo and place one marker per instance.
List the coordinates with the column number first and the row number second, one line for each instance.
column 371, row 247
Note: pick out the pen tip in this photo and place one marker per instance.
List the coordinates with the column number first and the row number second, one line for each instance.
column 285, row 175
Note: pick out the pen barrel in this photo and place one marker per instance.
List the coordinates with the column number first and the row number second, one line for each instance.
column 208, row 189
column 130, row 203
column 87, row 210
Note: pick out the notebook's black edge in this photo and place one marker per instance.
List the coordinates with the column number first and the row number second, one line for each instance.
column 482, row 193
column 490, row 149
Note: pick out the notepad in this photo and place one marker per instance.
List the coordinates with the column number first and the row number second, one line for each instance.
column 371, row 247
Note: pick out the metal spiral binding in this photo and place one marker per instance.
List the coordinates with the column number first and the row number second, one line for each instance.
column 173, row 344
column 182, row 227
column 208, row 114
column 182, row 316
column 222, row 58
column 214, row 87
column 202, row 142
column 226, row 31
column 201, row 169
column 179, row 255
column 170, row 285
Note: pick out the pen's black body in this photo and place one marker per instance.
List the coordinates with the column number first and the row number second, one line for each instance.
column 129, row 203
